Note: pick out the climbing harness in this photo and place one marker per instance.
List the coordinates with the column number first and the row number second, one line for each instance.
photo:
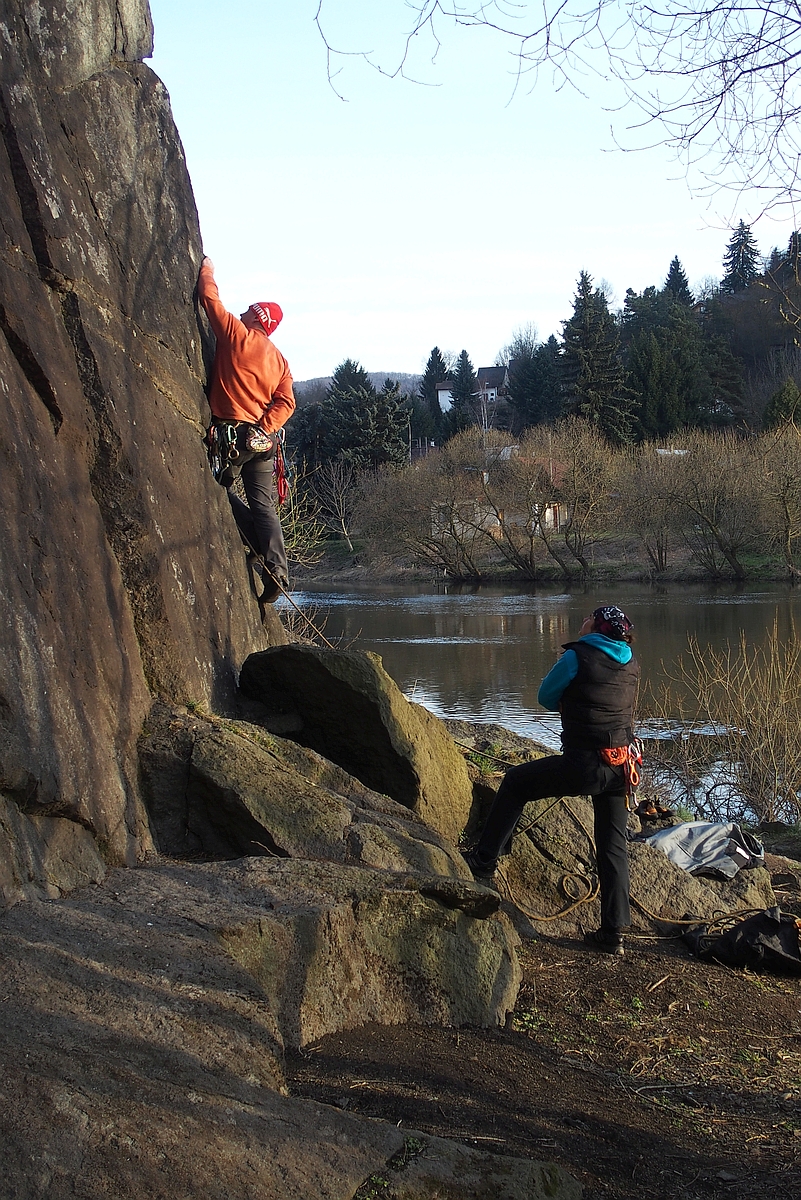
column 227, row 443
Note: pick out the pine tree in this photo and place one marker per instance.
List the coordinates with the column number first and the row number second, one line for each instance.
column 680, row 370
column 592, row 371
column 784, row 405
column 776, row 260
column 391, row 427
column 363, row 426
column 535, row 390
column 676, row 284
column 464, row 394
column 669, row 376
column 436, row 372
column 306, row 435
column 741, row 261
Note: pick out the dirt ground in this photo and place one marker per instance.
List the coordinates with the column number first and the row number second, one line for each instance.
column 653, row 1075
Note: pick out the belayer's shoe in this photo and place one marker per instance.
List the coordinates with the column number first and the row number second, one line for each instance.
column 483, row 870
column 605, row 940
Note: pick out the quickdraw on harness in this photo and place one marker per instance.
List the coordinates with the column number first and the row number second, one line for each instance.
column 220, row 437
column 630, row 759
column 227, row 443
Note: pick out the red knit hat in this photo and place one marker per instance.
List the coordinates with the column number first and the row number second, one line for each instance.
column 268, row 313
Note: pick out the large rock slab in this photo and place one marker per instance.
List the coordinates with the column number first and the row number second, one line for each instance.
column 143, row 1028
column 334, row 947
column 352, row 712
column 122, row 570
column 219, row 788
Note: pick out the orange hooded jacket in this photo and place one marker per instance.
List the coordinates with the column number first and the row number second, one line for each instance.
column 250, row 377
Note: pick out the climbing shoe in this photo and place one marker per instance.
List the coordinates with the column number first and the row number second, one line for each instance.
column 272, row 590
column 605, row 940
column 483, row 871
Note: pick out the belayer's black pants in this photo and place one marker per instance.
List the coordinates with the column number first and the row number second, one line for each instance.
column 258, row 520
column 574, row 773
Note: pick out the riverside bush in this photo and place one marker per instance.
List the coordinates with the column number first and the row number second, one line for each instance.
column 735, row 720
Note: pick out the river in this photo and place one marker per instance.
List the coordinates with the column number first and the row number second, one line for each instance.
column 480, row 653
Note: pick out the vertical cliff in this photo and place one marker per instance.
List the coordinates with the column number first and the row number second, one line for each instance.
column 121, row 575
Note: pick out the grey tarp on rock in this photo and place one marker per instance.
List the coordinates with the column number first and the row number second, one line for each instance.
column 709, row 847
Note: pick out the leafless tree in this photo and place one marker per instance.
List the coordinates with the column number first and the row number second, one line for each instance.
column 713, row 491
column 780, row 460
column 735, row 715
column 715, row 80
column 643, row 507
column 300, row 521
column 426, row 510
column 335, row 485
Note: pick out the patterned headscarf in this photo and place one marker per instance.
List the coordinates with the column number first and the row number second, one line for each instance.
column 612, row 622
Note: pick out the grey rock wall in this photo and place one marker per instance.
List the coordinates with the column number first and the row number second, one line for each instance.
column 121, row 571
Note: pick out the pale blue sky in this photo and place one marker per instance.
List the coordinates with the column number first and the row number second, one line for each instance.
column 410, row 216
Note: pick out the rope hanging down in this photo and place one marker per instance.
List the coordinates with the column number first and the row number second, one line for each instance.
column 258, row 558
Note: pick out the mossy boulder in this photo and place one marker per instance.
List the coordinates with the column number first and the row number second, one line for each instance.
column 352, row 712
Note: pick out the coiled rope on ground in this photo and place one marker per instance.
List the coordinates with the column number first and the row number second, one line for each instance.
column 718, row 923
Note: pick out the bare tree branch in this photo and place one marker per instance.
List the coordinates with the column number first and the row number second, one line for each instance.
column 719, row 80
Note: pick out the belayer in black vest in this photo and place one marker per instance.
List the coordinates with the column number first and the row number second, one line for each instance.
column 594, row 687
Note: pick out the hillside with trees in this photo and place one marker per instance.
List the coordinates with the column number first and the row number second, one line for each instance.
column 660, row 438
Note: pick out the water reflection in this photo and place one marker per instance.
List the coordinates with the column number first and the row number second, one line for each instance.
column 480, row 653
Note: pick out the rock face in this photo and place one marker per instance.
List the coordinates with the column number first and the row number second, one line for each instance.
column 224, row 789
column 347, row 708
column 346, row 910
column 145, row 1018
column 141, row 1059
column 122, row 574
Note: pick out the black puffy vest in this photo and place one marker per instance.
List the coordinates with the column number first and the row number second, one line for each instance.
column 598, row 705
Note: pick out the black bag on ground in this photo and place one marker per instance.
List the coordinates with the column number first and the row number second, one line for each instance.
column 767, row 941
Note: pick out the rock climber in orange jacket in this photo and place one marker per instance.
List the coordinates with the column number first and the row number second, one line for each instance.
column 251, row 387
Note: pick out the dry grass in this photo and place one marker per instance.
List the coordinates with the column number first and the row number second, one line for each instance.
column 735, row 753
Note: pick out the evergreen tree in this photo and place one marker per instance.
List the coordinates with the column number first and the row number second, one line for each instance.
column 592, row 371
column 464, row 393
column 784, row 405
column 306, row 434
column 669, row 375
column 391, row 426
column 676, row 284
column 682, row 371
column 436, row 372
column 363, row 426
column 423, row 427
column 551, row 404
column 535, row 393
column 775, row 261
column 741, row 261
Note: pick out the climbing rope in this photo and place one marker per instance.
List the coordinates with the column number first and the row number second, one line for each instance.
column 259, row 559
column 719, row 922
